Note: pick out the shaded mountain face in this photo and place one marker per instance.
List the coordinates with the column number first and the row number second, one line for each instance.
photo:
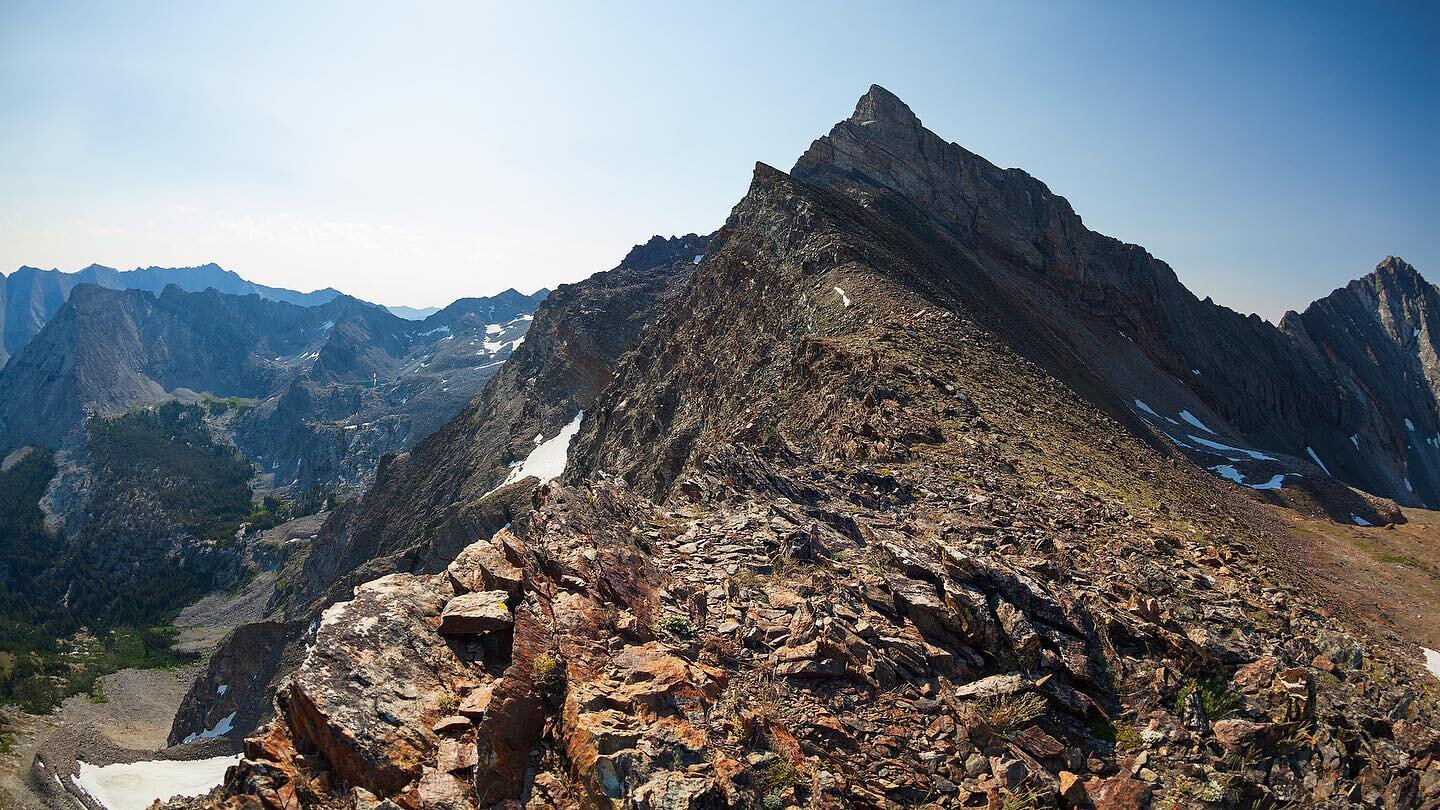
column 29, row 297
column 868, row 515
column 1115, row 323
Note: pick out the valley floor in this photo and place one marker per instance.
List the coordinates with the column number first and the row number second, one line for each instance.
column 135, row 718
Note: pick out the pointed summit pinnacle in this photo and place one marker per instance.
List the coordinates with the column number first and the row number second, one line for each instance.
column 879, row 105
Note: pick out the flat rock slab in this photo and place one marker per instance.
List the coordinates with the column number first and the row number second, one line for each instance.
column 471, row 614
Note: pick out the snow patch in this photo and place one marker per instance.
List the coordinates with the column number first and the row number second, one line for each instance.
column 1195, row 371
column 1228, row 472
column 492, row 329
column 1147, row 409
column 135, row 785
column 1359, row 521
column 1190, row 417
column 436, row 331
column 698, row 258
column 1432, row 661
column 547, row 461
column 1317, row 460
column 1408, row 424
column 225, row 726
column 1225, row 448
column 844, row 299
column 1355, row 440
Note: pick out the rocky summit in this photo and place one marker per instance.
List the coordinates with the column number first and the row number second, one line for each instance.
column 903, row 489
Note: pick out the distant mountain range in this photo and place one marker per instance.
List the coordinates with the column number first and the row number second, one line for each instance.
column 29, row 297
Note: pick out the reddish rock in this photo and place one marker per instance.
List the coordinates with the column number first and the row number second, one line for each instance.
column 443, row 791
column 1246, row 736
column 477, row 701
column 482, row 566
column 1118, row 793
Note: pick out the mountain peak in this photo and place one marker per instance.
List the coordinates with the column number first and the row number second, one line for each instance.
column 1396, row 266
column 880, row 106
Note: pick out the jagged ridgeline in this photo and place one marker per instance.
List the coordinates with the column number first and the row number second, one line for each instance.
column 906, row 490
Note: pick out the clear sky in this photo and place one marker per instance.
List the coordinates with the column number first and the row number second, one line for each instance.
column 412, row 153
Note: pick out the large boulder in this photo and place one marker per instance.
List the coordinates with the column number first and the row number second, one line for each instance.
column 471, row 614
column 367, row 695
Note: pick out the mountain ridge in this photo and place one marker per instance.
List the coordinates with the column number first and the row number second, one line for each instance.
column 870, row 512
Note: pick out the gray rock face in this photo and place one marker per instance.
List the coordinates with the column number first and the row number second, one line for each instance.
column 29, row 297
column 329, row 390
column 1058, row 292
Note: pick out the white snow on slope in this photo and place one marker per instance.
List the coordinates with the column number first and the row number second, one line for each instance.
column 1359, row 521
column 1317, row 460
column 1408, row 424
column 844, row 299
column 1190, row 417
column 698, row 258
column 1355, row 440
column 1225, row 448
column 223, row 727
column 547, row 461
column 436, row 331
column 492, row 329
column 1229, row 472
column 1147, row 409
column 135, row 785
column 1432, row 661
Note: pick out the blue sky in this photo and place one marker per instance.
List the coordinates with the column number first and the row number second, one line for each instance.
column 414, row 156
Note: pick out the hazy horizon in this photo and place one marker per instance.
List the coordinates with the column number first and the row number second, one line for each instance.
column 1268, row 155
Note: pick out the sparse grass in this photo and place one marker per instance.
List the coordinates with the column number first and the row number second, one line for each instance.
column 1404, row 559
column 1127, row 738
column 680, row 627
column 1027, row 799
column 1007, row 715
column 548, row 675
column 1215, row 697
column 448, row 703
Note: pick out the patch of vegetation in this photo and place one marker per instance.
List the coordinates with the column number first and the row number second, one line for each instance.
column 1008, row 715
column 680, row 627
column 1215, row 697
column 1405, row 560
column 218, row 405
column 548, row 675
column 168, row 453
column 73, row 609
column 47, row 674
column 448, row 703
column 780, row 778
column 270, row 512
